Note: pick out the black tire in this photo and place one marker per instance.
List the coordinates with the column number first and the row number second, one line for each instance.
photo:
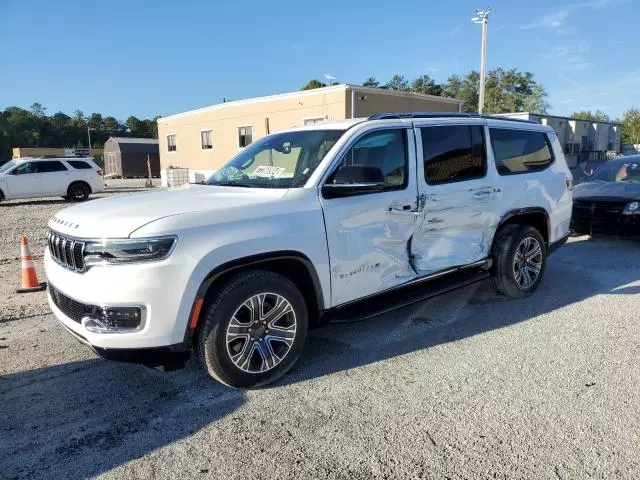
column 211, row 341
column 507, row 276
column 78, row 192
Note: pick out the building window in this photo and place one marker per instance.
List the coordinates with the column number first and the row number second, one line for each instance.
column 206, row 139
column 309, row 121
column 245, row 136
column 171, row 143
column 453, row 153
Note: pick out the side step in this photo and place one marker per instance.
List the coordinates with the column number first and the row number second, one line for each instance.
column 403, row 297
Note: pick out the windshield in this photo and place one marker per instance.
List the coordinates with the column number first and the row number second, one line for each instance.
column 282, row 160
column 618, row 171
column 10, row 164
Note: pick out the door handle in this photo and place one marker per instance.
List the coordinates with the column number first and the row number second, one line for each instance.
column 404, row 211
column 482, row 194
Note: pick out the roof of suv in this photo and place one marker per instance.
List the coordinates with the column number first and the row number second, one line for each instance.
column 348, row 123
column 43, row 159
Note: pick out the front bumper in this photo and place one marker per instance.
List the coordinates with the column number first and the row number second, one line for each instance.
column 158, row 287
column 623, row 225
column 171, row 357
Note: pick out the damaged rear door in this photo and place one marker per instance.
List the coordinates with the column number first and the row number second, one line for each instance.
column 368, row 233
column 457, row 196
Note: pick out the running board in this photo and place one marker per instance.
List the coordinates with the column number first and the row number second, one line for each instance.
column 418, row 292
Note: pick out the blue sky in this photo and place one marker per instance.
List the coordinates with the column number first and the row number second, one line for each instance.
column 161, row 57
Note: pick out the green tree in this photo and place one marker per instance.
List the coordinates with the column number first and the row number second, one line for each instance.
column 38, row 110
column 34, row 128
column 112, row 126
column 371, row 82
column 134, row 125
column 631, row 126
column 513, row 91
column 398, row 82
column 311, row 84
column 465, row 89
column 426, row 84
column 597, row 116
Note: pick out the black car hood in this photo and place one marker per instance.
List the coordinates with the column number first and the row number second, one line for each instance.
column 603, row 190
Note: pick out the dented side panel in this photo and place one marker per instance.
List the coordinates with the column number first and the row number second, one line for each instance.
column 457, row 222
column 367, row 242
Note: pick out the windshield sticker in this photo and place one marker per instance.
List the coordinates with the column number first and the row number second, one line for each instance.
column 268, row 171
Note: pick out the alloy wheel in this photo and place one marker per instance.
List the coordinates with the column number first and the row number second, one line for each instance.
column 261, row 332
column 527, row 263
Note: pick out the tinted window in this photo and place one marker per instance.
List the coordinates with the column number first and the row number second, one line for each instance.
column 384, row 149
column 79, row 164
column 28, row 167
column 453, row 153
column 48, row 167
column 520, row 151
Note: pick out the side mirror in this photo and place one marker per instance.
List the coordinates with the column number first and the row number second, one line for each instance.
column 354, row 180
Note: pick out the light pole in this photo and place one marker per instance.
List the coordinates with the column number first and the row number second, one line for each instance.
column 89, row 135
column 482, row 17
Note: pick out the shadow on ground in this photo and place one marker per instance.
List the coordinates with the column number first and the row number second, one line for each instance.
column 578, row 271
column 88, row 417
column 81, row 419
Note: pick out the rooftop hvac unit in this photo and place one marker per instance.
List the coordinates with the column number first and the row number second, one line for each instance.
column 176, row 177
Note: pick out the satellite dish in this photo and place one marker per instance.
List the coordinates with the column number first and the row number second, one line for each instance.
column 329, row 77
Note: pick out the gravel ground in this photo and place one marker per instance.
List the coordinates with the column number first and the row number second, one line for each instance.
column 467, row 385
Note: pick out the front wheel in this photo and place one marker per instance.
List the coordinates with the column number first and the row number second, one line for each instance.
column 253, row 329
column 520, row 258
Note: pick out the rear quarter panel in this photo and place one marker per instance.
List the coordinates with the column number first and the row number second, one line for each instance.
column 540, row 189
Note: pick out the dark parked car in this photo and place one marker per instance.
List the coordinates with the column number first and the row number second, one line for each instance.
column 609, row 201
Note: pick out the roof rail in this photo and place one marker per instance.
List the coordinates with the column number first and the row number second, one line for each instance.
column 388, row 116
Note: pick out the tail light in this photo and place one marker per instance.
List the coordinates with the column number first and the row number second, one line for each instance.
column 99, row 172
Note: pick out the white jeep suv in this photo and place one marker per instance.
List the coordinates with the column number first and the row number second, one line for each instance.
column 332, row 220
column 74, row 178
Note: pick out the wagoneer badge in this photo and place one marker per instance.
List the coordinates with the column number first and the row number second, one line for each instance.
column 66, row 224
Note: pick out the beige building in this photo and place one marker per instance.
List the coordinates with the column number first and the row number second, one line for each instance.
column 581, row 139
column 203, row 140
column 20, row 152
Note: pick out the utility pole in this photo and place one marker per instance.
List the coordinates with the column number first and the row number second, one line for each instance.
column 89, row 135
column 482, row 17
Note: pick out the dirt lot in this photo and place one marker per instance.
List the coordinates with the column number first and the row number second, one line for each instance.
column 468, row 385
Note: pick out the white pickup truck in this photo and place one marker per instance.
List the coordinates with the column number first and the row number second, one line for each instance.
column 339, row 219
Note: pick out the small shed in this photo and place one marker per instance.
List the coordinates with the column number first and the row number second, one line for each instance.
column 127, row 157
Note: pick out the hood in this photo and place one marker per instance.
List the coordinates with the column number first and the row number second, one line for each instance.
column 120, row 215
column 607, row 190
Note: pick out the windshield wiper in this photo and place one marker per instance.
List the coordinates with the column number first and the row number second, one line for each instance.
column 232, row 184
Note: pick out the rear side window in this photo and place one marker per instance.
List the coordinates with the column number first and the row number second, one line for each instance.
column 49, row 166
column 520, row 151
column 453, row 153
column 79, row 164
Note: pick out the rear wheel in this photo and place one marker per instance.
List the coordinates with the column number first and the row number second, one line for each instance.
column 253, row 330
column 520, row 257
column 78, row 192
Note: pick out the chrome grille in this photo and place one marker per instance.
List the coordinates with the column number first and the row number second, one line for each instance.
column 66, row 251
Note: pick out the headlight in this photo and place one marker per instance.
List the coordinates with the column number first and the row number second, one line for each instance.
column 115, row 252
column 632, row 208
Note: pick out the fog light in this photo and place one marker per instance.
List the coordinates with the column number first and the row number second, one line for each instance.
column 114, row 319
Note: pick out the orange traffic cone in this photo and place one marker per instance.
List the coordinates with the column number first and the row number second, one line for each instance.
column 29, row 277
